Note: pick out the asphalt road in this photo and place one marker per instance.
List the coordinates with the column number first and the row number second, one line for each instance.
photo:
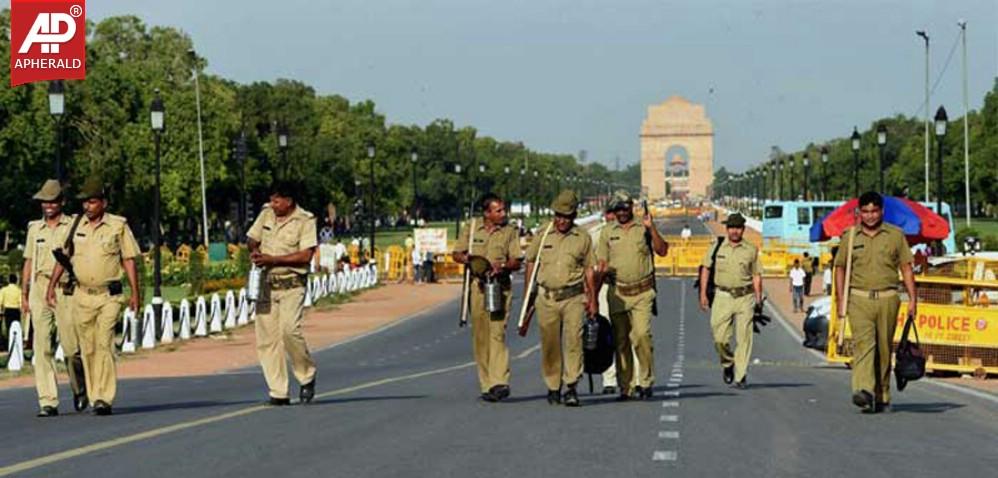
column 404, row 402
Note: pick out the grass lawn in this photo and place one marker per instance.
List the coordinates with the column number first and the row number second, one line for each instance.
column 987, row 227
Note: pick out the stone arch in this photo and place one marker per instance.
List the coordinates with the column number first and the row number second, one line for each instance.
column 677, row 147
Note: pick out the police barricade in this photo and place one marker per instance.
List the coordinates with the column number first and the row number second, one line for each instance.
column 166, row 324
column 244, row 312
column 230, row 310
column 957, row 323
column 216, row 314
column 148, row 327
column 185, row 320
column 200, row 317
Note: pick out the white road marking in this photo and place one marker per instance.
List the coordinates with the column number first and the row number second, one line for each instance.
column 668, row 418
column 664, row 456
column 669, row 434
column 670, row 404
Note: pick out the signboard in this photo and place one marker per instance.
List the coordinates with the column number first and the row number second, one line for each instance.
column 953, row 325
column 432, row 239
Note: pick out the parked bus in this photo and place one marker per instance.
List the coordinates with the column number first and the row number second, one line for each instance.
column 790, row 222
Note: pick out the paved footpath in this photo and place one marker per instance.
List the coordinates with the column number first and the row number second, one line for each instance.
column 403, row 402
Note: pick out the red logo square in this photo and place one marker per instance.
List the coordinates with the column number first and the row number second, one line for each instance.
column 48, row 40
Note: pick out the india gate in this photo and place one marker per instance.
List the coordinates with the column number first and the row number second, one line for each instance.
column 677, row 150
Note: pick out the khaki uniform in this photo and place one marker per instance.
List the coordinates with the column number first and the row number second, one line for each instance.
column 99, row 249
column 562, row 267
column 488, row 330
column 875, row 266
column 734, row 300
column 628, row 256
column 46, row 321
column 279, row 313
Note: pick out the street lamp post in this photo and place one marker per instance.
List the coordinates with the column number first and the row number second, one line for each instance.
column 791, row 170
column 882, row 147
column 282, row 144
column 537, row 196
column 414, row 156
column 855, row 161
column 523, row 196
column 371, row 195
column 241, row 156
column 197, row 101
column 941, row 120
column 824, row 173
column 157, row 117
column 779, row 179
column 807, row 174
column 925, row 36
column 460, row 206
column 505, row 170
column 57, row 106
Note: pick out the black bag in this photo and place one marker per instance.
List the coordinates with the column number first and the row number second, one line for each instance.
column 600, row 357
column 711, row 286
column 909, row 360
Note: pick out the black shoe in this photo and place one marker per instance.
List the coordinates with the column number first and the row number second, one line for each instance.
column 624, row 396
column 741, row 384
column 501, row 392
column 80, row 402
column 489, row 397
column 554, row 397
column 274, row 402
column 609, row 390
column 882, row 407
column 864, row 400
column 47, row 412
column 102, row 408
column 729, row 374
column 571, row 397
column 307, row 392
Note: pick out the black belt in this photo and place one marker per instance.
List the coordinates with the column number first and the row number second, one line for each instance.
column 562, row 293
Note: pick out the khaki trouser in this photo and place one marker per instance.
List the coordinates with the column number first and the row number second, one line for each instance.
column 46, row 322
column 488, row 339
column 279, row 335
column 95, row 316
column 631, row 319
column 872, row 322
column 561, row 340
column 728, row 311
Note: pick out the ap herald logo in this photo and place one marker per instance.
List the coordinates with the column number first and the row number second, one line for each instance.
column 48, row 40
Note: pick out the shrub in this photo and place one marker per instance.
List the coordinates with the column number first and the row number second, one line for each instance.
column 196, row 273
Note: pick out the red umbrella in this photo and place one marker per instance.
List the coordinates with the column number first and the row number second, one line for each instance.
column 919, row 223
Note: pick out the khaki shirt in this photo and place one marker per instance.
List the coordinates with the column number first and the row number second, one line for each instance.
column 565, row 259
column 99, row 249
column 876, row 259
column 41, row 240
column 502, row 244
column 278, row 238
column 626, row 251
column 736, row 264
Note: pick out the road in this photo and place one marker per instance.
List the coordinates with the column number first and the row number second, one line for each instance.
column 404, row 402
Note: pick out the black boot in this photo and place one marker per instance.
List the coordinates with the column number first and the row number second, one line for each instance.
column 554, row 397
column 571, row 397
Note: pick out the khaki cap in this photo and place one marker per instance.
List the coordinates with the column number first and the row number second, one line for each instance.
column 566, row 203
column 735, row 220
column 621, row 199
column 93, row 187
column 50, row 191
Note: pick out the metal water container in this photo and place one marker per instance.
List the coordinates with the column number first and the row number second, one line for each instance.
column 253, row 283
column 590, row 335
column 493, row 295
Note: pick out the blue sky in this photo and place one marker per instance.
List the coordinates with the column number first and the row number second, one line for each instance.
column 569, row 75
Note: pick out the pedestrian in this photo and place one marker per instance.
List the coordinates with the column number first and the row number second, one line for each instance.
column 686, row 233
column 282, row 241
column 738, row 281
column 100, row 247
column 50, row 323
column 878, row 252
column 494, row 239
column 610, row 375
column 797, row 284
column 826, row 279
column 808, row 267
column 10, row 306
column 417, row 264
column 624, row 253
column 566, row 294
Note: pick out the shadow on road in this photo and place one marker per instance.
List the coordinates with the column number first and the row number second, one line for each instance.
column 162, row 407
column 935, row 407
column 778, row 385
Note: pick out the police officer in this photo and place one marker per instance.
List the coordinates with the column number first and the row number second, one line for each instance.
column 102, row 247
column 624, row 257
column 879, row 250
column 738, row 278
column 48, row 321
column 282, row 241
column 566, row 294
column 499, row 242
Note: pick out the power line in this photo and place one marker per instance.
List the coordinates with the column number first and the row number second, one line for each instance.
column 939, row 79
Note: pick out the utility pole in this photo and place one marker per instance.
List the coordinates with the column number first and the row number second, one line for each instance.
column 966, row 132
column 925, row 36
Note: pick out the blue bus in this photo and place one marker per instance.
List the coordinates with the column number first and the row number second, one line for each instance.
column 790, row 222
